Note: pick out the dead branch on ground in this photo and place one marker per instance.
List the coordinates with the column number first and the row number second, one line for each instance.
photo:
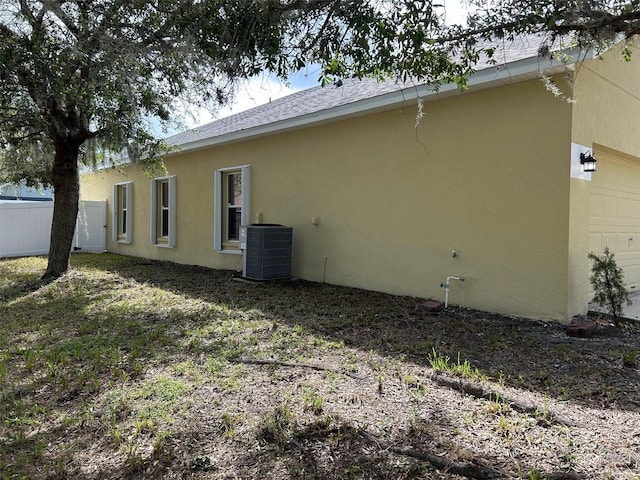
column 478, row 391
column 255, row 361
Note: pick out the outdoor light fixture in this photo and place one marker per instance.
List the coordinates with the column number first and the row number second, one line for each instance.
column 587, row 162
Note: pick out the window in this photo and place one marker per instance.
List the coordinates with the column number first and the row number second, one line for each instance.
column 231, row 207
column 122, row 212
column 163, row 211
column 163, row 202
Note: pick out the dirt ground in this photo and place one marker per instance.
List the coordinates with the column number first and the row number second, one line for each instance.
column 298, row 380
column 536, row 402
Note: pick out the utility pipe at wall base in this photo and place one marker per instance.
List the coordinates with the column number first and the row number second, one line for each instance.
column 324, row 268
column 446, row 286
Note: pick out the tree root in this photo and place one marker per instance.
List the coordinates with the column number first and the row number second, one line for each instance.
column 478, row 391
column 255, row 361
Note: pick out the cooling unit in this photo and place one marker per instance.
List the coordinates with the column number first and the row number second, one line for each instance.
column 266, row 251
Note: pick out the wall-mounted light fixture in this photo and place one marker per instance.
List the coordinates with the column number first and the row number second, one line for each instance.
column 587, row 162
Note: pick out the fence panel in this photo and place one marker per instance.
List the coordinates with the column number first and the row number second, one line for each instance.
column 25, row 228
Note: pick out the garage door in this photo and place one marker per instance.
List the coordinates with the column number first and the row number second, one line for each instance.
column 615, row 211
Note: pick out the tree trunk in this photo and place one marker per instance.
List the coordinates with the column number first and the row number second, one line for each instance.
column 66, row 191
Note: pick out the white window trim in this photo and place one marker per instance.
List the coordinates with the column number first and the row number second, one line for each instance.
column 218, row 210
column 171, row 243
column 115, row 230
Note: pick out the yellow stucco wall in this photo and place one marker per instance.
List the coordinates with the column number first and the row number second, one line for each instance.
column 607, row 94
column 485, row 174
column 604, row 117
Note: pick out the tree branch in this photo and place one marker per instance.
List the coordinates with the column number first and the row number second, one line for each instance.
column 622, row 23
column 8, row 33
column 28, row 136
column 28, row 14
column 56, row 8
column 468, row 470
column 253, row 361
column 478, row 391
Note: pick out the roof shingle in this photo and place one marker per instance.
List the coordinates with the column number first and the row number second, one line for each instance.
column 319, row 99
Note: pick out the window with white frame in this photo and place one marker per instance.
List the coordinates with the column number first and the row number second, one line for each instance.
column 232, row 195
column 163, row 211
column 122, row 212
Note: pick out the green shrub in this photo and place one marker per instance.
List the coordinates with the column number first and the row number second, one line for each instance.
column 608, row 283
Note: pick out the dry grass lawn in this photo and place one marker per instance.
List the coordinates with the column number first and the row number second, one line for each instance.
column 129, row 368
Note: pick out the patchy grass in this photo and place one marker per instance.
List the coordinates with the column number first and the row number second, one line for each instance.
column 462, row 368
column 129, row 368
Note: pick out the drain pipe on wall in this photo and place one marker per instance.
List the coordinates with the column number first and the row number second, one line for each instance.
column 446, row 286
column 324, row 268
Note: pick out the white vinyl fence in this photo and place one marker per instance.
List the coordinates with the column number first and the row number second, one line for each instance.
column 25, row 228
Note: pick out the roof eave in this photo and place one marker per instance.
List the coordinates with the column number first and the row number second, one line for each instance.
column 494, row 76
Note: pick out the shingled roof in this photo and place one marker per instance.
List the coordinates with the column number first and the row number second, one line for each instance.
column 513, row 62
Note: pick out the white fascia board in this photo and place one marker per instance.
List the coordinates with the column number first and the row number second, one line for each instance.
column 493, row 76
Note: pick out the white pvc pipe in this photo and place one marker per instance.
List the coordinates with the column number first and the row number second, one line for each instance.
column 446, row 288
column 324, row 268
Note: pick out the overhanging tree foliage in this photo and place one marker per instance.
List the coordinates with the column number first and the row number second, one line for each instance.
column 588, row 20
column 80, row 80
column 583, row 23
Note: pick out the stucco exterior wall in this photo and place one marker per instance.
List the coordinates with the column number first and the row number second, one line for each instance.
column 607, row 96
column 485, row 174
column 604, row 118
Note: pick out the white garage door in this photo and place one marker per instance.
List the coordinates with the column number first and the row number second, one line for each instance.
column 615, row 212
